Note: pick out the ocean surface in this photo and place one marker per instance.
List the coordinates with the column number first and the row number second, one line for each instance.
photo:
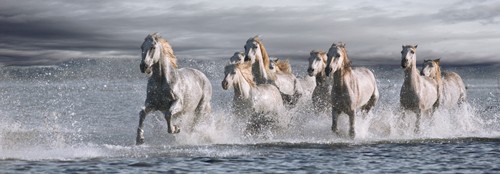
column 82, row 116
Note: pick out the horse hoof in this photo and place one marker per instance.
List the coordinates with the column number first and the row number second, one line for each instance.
column 177, row 129
column 174, row 130
column 139, row 141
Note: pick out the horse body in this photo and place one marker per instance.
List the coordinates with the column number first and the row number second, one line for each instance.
column 418, row 93
column 353, row 88
column 451, row 87
column 262, row 102
column 175, row 92
column 322, row 93
column 287, row 83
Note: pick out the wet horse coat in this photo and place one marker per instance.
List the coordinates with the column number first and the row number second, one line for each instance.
column 353, row 88
column 183, row 92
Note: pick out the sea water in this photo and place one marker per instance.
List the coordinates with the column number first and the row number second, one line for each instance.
column 82, row 116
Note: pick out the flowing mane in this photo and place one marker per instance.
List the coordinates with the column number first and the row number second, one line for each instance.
column 166, row 49
column 283, row 65
column 246, row 71
column 265, row 56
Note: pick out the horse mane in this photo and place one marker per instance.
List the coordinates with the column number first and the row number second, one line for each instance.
column 246, row 70
column 265, row 57
column 320, row 53
column 437, row 65
column 166, row 49
column 283, row 65
column 347, row 62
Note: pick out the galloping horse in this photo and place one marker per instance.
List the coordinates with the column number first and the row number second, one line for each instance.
column 262, row 102
column 256, row 53
column 322, row 94
column 450, row 85
column 238, row 57
column 176, row 92
column 419, row 94
column 353, row 88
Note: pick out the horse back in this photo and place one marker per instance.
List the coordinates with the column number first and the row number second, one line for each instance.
column 366, row 84
column 194, row 85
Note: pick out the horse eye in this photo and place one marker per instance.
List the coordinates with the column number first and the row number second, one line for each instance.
column 255, row 46
column 413, row 52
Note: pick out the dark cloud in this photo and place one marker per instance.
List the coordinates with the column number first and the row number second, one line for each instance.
column 470, row 11
column 56, row 30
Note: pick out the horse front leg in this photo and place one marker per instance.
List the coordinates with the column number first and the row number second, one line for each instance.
column 175, row 108
column 351, row 115
column 140, row 132
column 171, row 129
column 335, row 116
column 418, row 114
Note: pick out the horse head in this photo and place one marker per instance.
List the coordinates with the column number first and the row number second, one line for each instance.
column 317, row 62
column 151, row 52
column 254, row 49
column 238, row 57
column 408, row 55
column 430, row 68
column 229, row 76
column 273, row 66
column 336, row 58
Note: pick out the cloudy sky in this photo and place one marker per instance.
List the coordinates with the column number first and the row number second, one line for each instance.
column 458, row 31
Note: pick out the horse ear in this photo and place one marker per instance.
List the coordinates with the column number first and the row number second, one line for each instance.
column 342, row 44
column 416, row 45
column 438, row 61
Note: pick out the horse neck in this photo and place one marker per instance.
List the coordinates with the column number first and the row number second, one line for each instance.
column 241, row 87
column 167, row 70
column 340, row 76
column 262, row 75
column 321, row 78
column 412, row 76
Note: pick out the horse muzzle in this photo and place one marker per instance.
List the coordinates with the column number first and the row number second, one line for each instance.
column 310, row 71
column 144, row 68
column 246, row 58
column 328, row 70
column 225, row 85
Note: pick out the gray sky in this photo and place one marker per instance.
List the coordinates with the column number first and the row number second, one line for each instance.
column 460, row 31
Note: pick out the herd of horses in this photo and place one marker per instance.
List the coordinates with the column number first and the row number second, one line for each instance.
column 264, row 88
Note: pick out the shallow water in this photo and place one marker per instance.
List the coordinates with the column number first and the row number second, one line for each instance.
column 82, row 115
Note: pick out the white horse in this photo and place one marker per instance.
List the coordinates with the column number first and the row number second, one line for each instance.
column 176, row 92
column 283, row 71
column 256, row 53
column 419, row 94
column 238, row 57
column 353, row 88
column 450, row 85
column 262, row 103
column 322, row 94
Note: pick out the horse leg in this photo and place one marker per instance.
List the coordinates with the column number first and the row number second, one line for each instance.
column 202, row 112
column 351, row 115
column 418, row 114
column 175, row 108
column 172, row 129
column 140, row 133
column 335, row 115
